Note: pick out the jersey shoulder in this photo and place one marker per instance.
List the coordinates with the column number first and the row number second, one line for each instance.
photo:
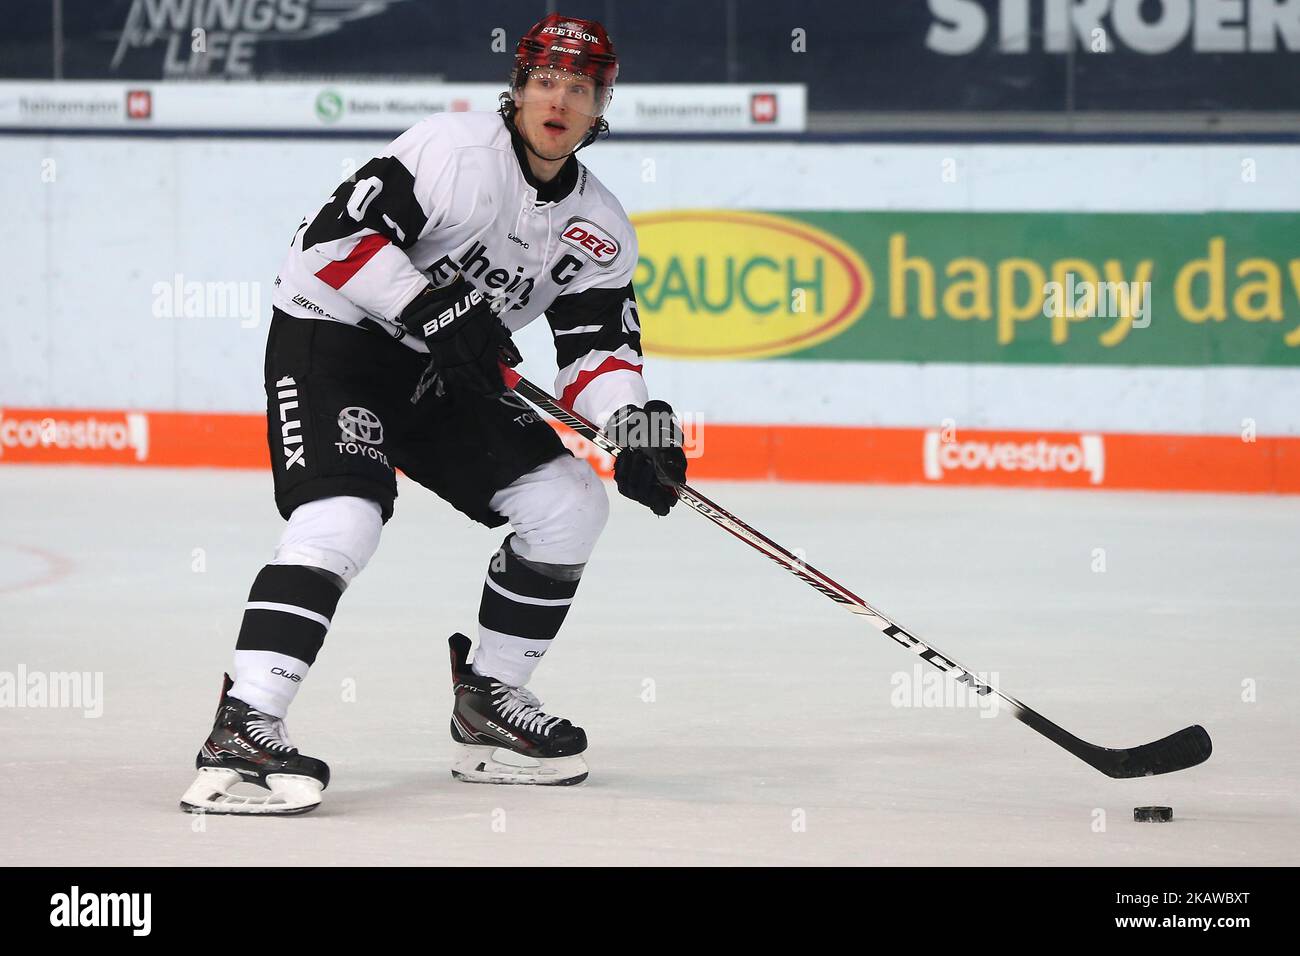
column 458, row 130
column 452, row 139
column 596, row 197
column 454, row 159
column 601, row 208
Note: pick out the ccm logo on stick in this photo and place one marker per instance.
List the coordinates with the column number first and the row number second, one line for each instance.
column 591, row 240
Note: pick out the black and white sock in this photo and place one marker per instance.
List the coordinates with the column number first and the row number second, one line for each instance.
column 524, row 603
column 285, row 621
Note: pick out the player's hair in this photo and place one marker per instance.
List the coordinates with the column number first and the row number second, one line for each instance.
column 507, row 109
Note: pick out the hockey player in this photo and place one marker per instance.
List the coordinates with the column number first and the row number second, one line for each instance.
column 393, row 310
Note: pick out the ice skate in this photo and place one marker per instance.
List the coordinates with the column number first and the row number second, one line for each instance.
column 248, row 765
column 503, row 736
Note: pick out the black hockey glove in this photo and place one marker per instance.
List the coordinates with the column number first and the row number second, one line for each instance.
column 653, row 461
column 466, row 340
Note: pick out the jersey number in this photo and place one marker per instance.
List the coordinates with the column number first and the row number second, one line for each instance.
column 382, row 199
column 363, row 195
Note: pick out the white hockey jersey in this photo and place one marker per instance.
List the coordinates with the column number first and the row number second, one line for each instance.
column 453, row 194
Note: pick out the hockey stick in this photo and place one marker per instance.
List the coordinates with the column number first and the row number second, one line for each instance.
column 1186, row 748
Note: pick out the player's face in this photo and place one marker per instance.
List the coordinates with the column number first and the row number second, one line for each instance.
column 555, row 110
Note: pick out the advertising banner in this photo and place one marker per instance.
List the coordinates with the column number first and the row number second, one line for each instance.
column 387, row 108
column 1183, row 289
column 937, row 456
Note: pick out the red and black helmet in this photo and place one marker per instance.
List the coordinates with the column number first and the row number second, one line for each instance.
column 570, row 44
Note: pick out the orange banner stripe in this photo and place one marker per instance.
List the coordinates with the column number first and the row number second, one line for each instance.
column 1221, row 463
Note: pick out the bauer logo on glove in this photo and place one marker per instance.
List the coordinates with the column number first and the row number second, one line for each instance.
column 449, row 315
column 465, row 337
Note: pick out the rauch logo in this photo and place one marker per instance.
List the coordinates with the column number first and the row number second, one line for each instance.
column 729, row 285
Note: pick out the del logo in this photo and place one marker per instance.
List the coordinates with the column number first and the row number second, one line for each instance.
column 728, row 285
column 1046, row 460
column 592, row 241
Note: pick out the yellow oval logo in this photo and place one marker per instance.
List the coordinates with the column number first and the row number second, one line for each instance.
column 728, row 285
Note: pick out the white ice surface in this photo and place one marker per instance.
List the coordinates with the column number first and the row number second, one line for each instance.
column 768, row 699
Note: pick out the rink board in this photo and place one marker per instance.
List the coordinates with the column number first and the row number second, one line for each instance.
column 809, row 453
column 884, row 379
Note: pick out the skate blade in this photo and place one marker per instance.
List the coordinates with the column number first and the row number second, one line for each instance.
column 481, row 764
column 289, row 794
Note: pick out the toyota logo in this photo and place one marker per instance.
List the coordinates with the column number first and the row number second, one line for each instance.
column 360, row 424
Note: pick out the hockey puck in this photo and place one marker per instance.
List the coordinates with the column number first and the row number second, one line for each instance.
column 1153, row 814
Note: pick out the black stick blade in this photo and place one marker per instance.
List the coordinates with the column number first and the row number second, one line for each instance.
column 1186, row 748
